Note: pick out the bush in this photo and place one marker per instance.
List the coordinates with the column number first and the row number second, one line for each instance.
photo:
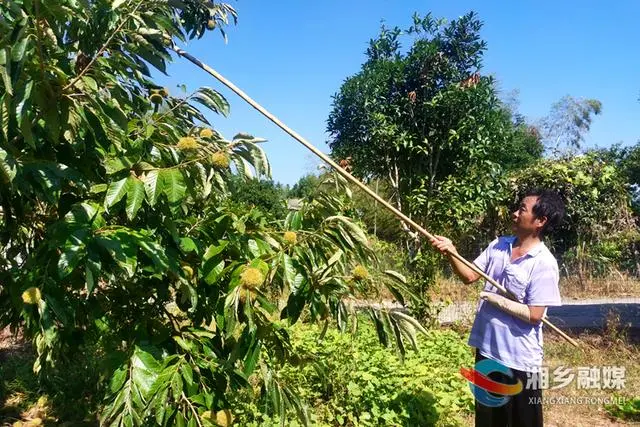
column 367, row 385
column 629, row 410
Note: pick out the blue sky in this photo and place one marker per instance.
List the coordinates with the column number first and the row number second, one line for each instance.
column 292, row 56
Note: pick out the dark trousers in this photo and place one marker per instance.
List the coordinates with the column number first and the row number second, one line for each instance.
column 518, row 411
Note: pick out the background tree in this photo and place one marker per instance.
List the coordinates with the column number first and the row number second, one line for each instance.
column 568, row 122
column 429, row 124
column 264, row 194
column 305, row 187
column 599, row 232
column 627, row 159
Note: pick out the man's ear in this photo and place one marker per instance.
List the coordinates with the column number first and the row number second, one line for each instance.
column 542, row 220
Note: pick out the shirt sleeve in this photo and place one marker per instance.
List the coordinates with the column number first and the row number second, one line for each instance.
column 543, row 290
column 483, row 259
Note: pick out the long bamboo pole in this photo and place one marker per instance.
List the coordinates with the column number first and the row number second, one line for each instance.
column 352, row 179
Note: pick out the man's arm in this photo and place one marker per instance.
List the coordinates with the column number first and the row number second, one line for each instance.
column 529, row 313
column 445, row 246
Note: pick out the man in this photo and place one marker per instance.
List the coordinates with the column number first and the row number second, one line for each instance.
column 510, row 332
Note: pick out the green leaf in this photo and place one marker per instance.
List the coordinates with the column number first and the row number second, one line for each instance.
column 90, row 83
column 182, row 343
column 74, row 250
column 253, row 355
column 176, row 386
column 18, row 49
column 155, row 251
column 116, row 192
column 117, row 3
column 7, row 168
column 188, row 245
column 6, row 78
column 187, row 374
column 98, row 188
column 135, row 195
column 152, row 186
column 214, row 250
column 213, row 271
column 180, row 421
column 92, row 270
column 212, row 100
column 173, row 185
column 293, row 221
column 396, row 276
column 289, row 270
column 118, row 379
column 144, row 370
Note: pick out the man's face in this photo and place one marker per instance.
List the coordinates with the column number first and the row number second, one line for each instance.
column 524, row 220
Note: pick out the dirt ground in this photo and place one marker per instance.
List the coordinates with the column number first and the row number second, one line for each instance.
column 610, row 348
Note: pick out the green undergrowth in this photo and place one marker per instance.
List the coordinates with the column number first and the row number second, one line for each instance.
column 628, row 410
column 342, row 380
column 368, row 385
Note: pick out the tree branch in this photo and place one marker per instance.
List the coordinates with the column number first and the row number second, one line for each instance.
column 103, row 47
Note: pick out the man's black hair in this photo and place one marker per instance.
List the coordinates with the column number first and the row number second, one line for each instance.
column 549, row 205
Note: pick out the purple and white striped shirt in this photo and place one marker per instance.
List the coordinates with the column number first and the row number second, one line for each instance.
column 533, row 278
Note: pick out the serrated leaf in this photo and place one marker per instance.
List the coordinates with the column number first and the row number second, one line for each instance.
column 161, row 405
column 154, row 251
column 214, row 250
column 135, row 196
column 144, row 370
column 212, row 273
column 18, row 49
column 6, row 78
column 98, row 188
column 179, row 420
column 212, row 100
column 410, row 320
column 118, row 379
column 187, row 374
column 334, row 258
column 176, row 386
column 152, row 186
column 182, row 343
column 173, row 185
column 288, row 269
column 73, row 251
column 7, row 168
column 253, row 355
column 116, row 192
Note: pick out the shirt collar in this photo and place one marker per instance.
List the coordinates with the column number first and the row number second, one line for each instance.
column 532, row 252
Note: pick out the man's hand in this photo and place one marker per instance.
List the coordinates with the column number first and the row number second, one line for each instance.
column 444, row 245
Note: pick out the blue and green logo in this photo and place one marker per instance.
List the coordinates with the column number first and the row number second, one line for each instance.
column 487, row 391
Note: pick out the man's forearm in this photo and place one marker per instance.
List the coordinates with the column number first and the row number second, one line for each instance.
column 515, row 308
column 465, row 273
column 446, row 247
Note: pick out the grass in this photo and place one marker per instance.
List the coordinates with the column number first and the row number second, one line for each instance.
column 615, row 286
